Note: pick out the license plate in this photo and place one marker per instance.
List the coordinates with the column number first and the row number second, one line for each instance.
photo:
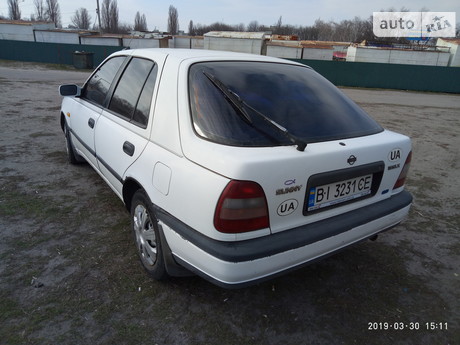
column 338, row 192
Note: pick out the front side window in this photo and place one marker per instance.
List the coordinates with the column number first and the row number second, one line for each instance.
column 98, row 85
column 294, row 97
column 133, row 94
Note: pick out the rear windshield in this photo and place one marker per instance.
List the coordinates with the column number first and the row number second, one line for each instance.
column 295, row 97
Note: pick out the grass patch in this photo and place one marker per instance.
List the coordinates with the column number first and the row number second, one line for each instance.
column 41, row 134
column 32, row 205
column 9, row 309
column 35, row 65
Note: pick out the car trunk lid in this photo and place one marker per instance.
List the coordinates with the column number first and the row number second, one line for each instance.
column 327, row 179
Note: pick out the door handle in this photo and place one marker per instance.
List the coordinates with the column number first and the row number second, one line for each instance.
column 128, row 148
column 91, row 122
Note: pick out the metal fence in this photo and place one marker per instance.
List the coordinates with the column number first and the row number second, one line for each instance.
column 56, row 53
column 388, row 76
column 341, row 73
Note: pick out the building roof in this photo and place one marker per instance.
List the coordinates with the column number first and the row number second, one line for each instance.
column 451, row 40
column 24, row 22
column 284, row 38
column 301, row 44
column 237, row 34
column 72, row 31
column 326, row 43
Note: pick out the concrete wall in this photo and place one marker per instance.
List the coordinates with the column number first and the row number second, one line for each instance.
column 182, row 42
column 247, row 42
column 187, row 42
column 57, row 37
column 102, row 41
column 282, row 51
column 243, row 42
column 300, row 50
column 197, row 42
column 318, row 53
column 454, row 58
column 21, row 31
column 397, row 56
column 137, row 43
column 240, row 45
column 17, row 32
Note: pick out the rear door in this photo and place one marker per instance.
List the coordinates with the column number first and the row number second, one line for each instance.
column 122, row 130
column 86, row 110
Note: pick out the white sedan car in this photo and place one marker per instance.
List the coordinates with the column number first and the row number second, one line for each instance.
column 234, row 167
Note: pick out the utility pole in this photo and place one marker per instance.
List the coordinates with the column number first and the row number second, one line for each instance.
column 98, row 11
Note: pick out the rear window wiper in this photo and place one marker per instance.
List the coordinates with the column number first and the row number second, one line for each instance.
column 240, row 105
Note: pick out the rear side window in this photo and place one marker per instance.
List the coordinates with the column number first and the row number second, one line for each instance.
column 295, row 97
column 98, row 85
column 133, row 94
column 141, row 114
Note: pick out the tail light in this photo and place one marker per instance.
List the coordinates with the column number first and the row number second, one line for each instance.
column 242, row 207
column 402, row 176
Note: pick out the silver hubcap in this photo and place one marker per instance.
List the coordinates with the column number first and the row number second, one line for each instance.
column 145, row 235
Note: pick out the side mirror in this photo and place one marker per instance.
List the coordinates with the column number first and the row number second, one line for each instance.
column 70, row 90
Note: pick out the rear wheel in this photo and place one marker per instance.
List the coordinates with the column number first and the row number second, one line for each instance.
column 146, row 236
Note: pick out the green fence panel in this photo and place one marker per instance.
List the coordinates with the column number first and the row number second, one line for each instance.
column 340, row 73
column 56, row 53
column 388, row 76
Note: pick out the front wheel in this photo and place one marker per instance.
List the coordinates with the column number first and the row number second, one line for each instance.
column 146, row 236
column 72, row 156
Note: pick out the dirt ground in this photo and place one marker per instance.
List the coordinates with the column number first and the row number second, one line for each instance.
column 69, row 273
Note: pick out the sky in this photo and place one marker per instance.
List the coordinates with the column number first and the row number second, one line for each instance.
column 266, row 12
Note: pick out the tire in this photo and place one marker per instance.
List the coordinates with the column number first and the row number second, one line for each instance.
column 147, row 236
column 72, row 157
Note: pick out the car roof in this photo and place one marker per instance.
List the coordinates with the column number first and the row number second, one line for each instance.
column 185, row 54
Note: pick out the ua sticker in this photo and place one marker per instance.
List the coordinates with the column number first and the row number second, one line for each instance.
column 287, row 207
column 394, row 155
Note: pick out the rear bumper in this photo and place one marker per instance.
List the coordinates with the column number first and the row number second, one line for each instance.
column 233, row 264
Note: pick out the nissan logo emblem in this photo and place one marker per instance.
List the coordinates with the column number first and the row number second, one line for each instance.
column 351, row 160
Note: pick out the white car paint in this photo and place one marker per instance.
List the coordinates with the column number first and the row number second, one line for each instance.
column 184, row 175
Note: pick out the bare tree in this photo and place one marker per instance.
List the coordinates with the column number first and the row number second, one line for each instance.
column 39, row 10
column 114, row 16
column 279, row 25
column 140, row 22
column 173, row 20
column 325, row 30
column 110, row 16
column 81, row 19
column 13, row 9
column 200, row 30
column 53, row 13
column 240, row 27
column 105, row 19
column 253, row 26
column 355, row 30
column 191, row 29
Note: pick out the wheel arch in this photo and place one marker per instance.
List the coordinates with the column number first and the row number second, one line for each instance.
column 62, row 121
column 130, row 186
